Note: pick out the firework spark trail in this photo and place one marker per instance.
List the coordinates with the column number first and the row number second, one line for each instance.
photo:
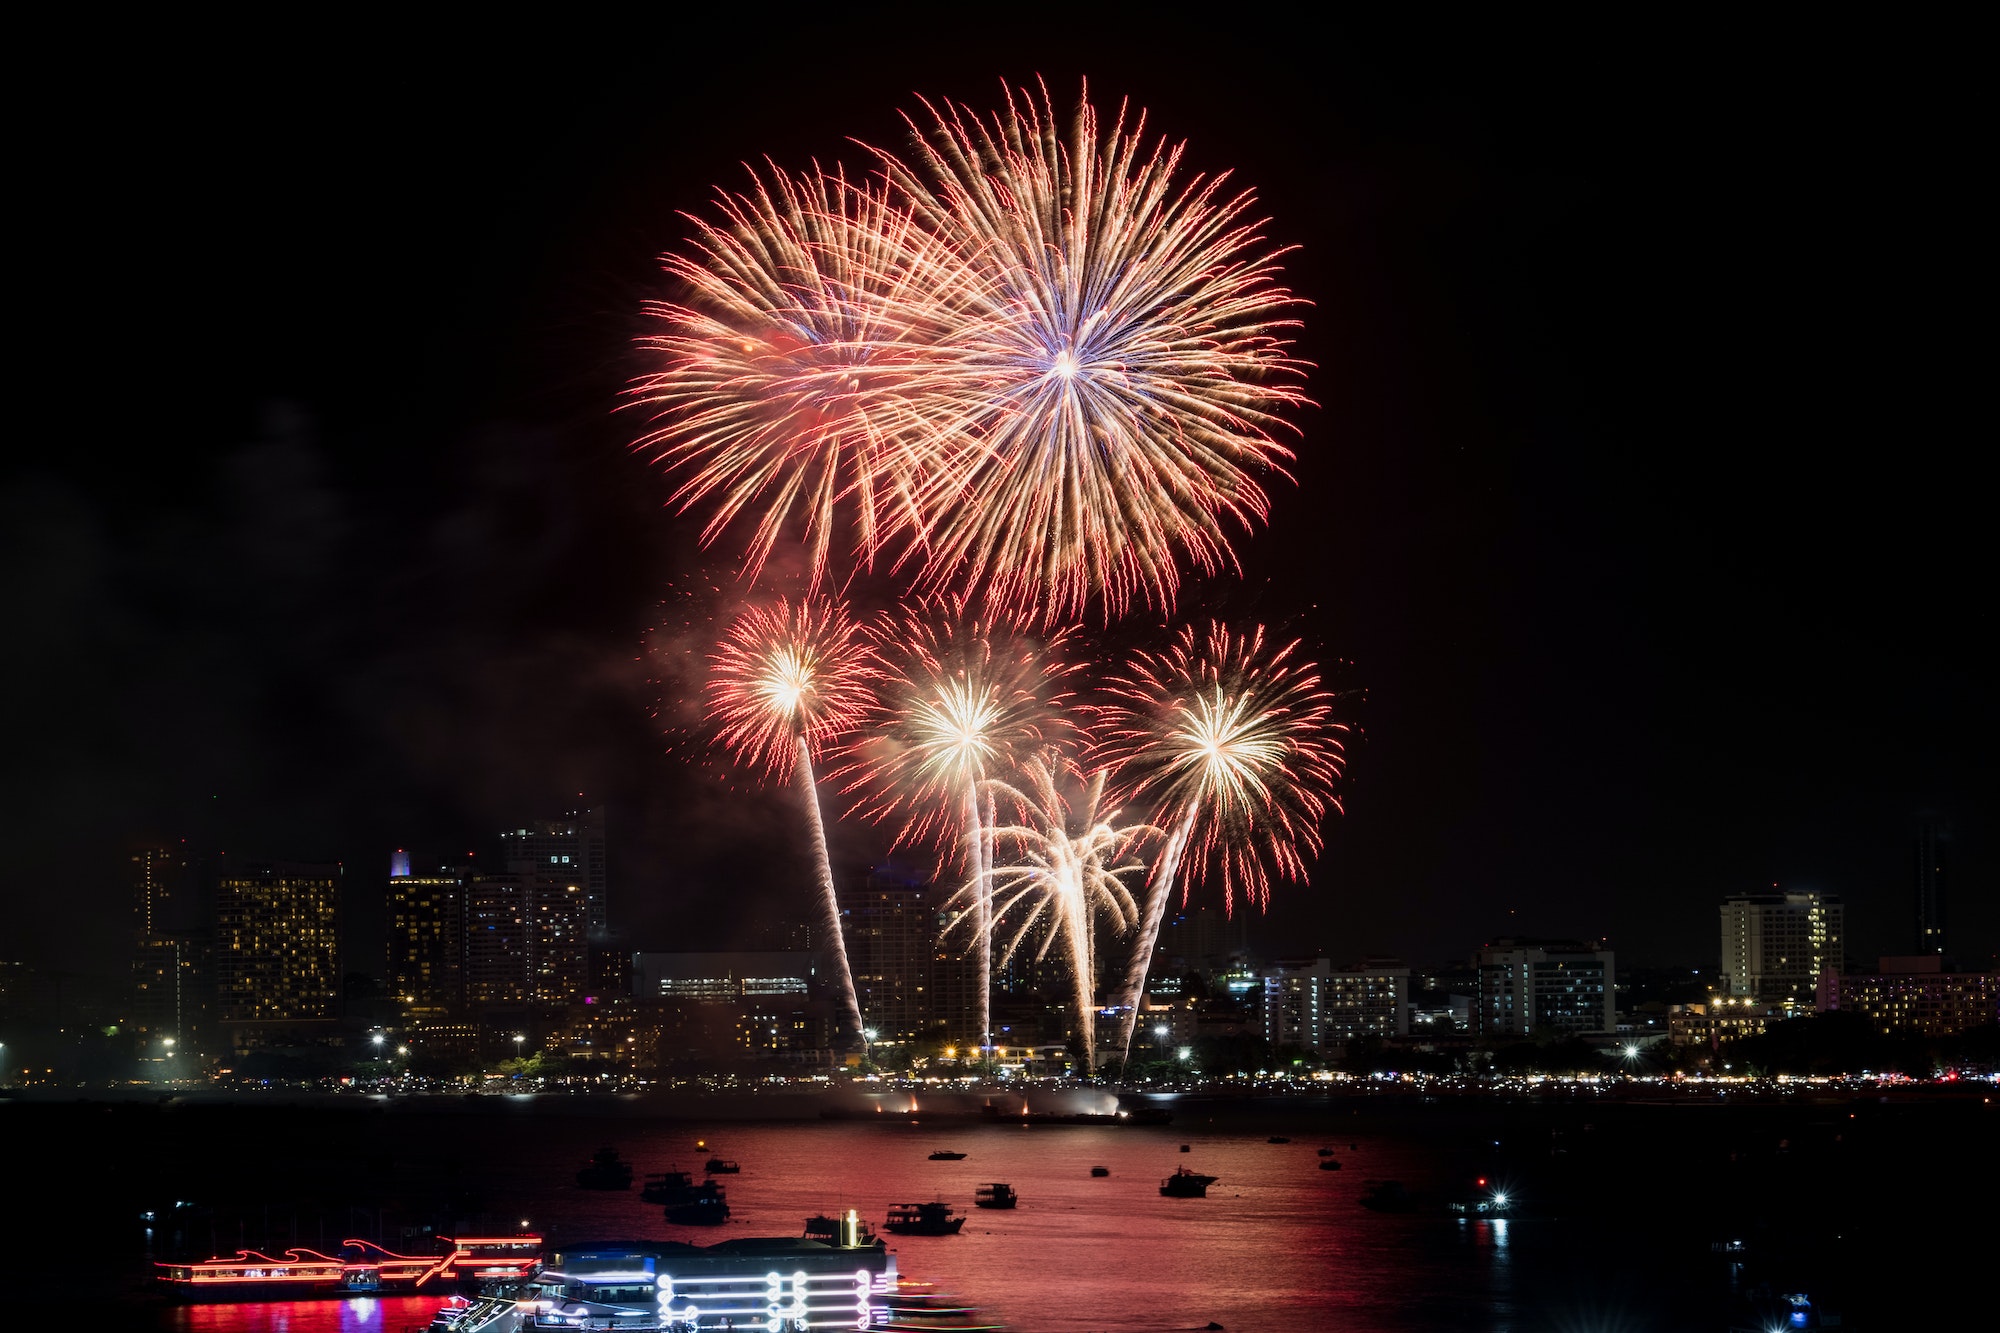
column 798, row 384
column 1236, row 742
column 1118, row 368
column 1064, row 862
column 963, row 701
column 788, row 680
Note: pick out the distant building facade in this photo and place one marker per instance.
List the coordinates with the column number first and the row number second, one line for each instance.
column 570, row 849
column 1535, row 988
column 1310, row 1003
column 891, row 928
column 1775, row 946
column 427, row 929
column 1916, row 995
column 1932, row 834
column 1715, row 1023
column 277, row 942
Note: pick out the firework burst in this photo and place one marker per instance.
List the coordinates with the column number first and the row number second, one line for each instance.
column 796, row 392
column 787, row 680
column 1118, row 367
column 962, row 702
column 1060, row 865
column 1234, row 743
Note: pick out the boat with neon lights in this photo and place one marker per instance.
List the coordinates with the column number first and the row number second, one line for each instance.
column 840, row 1277
column 360, row 1268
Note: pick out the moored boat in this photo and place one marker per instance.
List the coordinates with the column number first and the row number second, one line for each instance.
column 722, row 1166
column 707, row 1205
column 605, row 1171
column 995, row 1195
column 947, row 1155
column 923, row 1219
column 1186, row 1184
column 675, row 1186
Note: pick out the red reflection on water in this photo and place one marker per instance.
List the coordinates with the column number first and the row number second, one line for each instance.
column 360, row 1314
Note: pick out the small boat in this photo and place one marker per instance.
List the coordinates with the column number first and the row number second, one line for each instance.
column 1389, row 1196
column 1186, row 1184
column 1329, row 1164
column 995, row 1195
column 674, row 1186
column 946, row 1155
column 1326, row 1152
column 1277, row 1138
column 706, row 1206
column 1185, row 1148
column 922, row 1219
column 605, row 1171
column 846, row 1232
column 722, row 1166
column 1100, row 1170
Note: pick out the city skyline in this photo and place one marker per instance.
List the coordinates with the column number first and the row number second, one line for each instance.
column 1618, row 632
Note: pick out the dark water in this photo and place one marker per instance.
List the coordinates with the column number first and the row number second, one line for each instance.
column 1625, row 1201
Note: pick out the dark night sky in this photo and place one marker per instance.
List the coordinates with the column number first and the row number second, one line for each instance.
column 1638, row 500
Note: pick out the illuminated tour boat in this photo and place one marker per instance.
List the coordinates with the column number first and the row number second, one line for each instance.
column 361, row 1268
column 838, row 1275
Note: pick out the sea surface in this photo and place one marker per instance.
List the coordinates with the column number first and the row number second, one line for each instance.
column 1624, row 1205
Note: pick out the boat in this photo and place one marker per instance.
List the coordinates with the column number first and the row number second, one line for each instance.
column 919, row 1307
column 361, row 1268
column 847, row 1231
column 605, row 1171
column 995, row 1195
column 675, row 1186
column 722, row 1166
column 1186, row 1148
column 1389, row 1196
column 922, row 1219
column 946, row 1155
column 1100, row 1170
column 1329, row 1164
column 810, row 1282
column 1186, row 1184
column 1326, row 1152
column 1277, row 1138
column 706, row 1206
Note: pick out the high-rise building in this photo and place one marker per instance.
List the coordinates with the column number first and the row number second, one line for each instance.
column 561, row 865
column 954, row 984
column 169, row 1000
column 1311, row 1004
column 160, row 890
column 1528, row 988
column 891, row 932
column 1932, row 834
column 1915, row 994
column 571, row 849
column 1775, row 945
column 277, row 942
column 496, row 940
column 426, row 938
